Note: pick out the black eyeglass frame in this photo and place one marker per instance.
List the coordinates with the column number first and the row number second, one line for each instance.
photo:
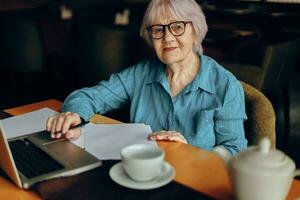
column 149, row 28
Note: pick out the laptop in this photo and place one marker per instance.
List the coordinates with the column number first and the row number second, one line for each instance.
column 36, row 157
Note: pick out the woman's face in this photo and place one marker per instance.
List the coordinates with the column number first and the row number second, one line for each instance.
column 172, row 49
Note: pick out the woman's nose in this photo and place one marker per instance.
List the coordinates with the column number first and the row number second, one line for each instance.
column 168, row 35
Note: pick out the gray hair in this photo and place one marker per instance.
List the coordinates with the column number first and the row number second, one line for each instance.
column 186, row 10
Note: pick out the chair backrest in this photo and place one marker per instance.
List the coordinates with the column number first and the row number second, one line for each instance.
column 271, row 78
column 271, row 73
column 277, row 64
column 261, row 116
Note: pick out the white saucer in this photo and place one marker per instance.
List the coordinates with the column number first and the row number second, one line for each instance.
column 118, row 175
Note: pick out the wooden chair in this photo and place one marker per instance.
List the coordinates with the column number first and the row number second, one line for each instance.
column 261, row 116
column 271, row 78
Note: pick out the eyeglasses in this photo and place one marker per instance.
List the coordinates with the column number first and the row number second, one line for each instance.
column 158, row 31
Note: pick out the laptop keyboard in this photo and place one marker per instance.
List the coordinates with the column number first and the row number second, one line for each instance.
column 31, row 160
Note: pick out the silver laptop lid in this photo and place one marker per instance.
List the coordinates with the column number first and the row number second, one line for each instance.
column 6, row 160
column 74, row 159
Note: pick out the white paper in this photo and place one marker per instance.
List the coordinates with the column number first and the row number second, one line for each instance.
column 26, row 123
column 105, row 141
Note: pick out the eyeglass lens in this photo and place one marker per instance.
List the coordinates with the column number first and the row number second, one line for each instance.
column 176, row 29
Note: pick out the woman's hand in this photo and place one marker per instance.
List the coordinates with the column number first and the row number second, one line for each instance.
column 167, row 135
column 59, row 125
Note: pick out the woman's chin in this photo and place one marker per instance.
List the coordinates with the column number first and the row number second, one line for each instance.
column 170, row 59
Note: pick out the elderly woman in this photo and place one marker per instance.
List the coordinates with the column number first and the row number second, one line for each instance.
column 184, row 95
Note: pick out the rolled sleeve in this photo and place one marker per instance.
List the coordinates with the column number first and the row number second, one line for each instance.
column 104, row 97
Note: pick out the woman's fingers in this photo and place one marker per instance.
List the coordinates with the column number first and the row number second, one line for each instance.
column 60, row 122
column 71, row 119
column 53, row 126
column 59, row 125
column 49, row 123
column 73, row 133
column 167, row 135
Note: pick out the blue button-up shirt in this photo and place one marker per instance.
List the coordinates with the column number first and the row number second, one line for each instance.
column 208, row 112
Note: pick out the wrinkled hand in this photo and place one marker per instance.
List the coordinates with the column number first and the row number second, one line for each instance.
column 59, row 125
column 167, row 135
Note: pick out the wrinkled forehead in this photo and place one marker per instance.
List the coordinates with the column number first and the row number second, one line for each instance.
column 165, row 14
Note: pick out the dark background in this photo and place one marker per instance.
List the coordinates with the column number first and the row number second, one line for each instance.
column 43, row 56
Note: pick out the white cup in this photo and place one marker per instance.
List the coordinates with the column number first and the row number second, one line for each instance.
column 142, row 162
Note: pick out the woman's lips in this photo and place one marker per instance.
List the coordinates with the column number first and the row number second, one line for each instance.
column 169, row 49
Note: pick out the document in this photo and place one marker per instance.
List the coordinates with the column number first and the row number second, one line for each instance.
column 26, row 123
column 105, row 141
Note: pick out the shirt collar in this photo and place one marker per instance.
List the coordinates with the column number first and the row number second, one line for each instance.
column 203, row 79
column 159, row 75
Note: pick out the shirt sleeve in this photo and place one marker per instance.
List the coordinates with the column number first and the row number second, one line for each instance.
column 104, row 97
column 229, row 120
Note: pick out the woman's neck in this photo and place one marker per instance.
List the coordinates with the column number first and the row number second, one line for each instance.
column 181, row 74
column 188, row 66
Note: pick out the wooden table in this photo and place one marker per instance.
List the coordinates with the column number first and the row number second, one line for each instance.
column 200, row 170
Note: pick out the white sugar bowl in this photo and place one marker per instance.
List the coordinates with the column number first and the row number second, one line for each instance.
column 262, row 173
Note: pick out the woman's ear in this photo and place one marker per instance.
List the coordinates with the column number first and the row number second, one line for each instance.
column 195, row 45
column 195, row 38
column 196, row 42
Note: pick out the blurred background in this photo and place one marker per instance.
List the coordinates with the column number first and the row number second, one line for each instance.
column 49, row 48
